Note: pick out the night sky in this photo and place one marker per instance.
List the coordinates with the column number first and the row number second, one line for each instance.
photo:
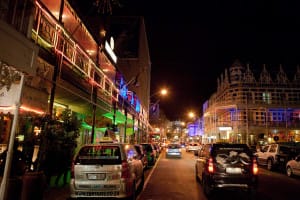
column 192, row 42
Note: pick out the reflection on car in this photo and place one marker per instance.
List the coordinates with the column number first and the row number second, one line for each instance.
column 227, row 166
column 106, row 170
column 293, row 166
column 173, row 150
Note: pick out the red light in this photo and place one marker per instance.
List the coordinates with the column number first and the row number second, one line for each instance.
column 255, row 167
column 210, row 165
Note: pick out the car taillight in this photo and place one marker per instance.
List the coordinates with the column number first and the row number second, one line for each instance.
column 255, row 167
column 125, row 170
column 210, row 165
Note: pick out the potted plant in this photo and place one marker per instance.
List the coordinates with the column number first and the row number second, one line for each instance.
column 57, row 142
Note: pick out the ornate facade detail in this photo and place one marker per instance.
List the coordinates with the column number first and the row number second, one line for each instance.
column 265, row 77
column 248, row 76
column 236, row 72
column 297, row 75
column 226, row 80
column 281, row 76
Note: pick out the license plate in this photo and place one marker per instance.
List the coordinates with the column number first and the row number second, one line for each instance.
column 96, row 176
column 231, row 170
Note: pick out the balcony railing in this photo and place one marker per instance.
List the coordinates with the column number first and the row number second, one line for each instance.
column 49, row 34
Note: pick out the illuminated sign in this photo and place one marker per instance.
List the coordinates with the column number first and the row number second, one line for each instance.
column 110, row 52
column 225, row 128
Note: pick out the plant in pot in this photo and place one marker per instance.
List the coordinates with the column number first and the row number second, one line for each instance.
column 57, row 142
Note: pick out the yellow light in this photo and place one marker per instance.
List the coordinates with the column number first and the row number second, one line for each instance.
column 191, row 114
column 164, row 91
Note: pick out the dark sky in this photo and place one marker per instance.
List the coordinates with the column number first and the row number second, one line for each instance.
column 192, row 42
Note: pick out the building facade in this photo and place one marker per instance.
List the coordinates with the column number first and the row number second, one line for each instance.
column 65, row 67
column 253, row 108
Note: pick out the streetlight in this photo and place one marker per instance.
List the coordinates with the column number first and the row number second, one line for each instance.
column 191, row 115
column 154, row 107
column 162, row 92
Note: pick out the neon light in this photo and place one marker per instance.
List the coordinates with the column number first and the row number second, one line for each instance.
column 225, row 128
column 32, row 110
column 110, row 52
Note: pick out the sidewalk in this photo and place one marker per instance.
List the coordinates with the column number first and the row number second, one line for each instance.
column 56, row 192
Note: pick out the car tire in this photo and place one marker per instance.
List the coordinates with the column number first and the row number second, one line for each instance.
column 252, row 193
column 289, row 171
column 270, row 164
column 196, row 175
column 206, row 188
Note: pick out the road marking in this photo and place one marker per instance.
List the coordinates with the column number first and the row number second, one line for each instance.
column 149, row 176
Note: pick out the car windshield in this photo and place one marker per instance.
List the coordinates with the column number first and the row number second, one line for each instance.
column 99, row 155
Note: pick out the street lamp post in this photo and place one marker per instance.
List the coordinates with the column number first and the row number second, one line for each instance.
column 154, row 107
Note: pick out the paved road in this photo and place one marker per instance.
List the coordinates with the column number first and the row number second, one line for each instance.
column 172, row 179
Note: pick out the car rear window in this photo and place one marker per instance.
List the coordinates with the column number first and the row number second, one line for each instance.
column 228, row 149
column 173, row 146
column 99, row 155
column 229, row 152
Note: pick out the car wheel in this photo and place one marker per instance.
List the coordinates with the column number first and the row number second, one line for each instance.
column 207, row 188
column 252, row 193
column 270, row 164
column 196, row 174
column 289, row 171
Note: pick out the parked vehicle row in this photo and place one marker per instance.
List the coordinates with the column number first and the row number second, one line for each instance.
column 284, row 157
column 275, row 156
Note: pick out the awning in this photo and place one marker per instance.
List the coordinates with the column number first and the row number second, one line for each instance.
column 120, row 117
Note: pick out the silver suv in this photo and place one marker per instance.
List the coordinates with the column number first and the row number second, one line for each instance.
column 106, row 170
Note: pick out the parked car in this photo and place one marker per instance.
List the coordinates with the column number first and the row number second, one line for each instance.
column 173, row 150
column 141, row 155
column 157, row 149
column 149, row 150
column 192, row 147
column 293, row 166
column 275, row 156
column 106, row 170
column 226, row 166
